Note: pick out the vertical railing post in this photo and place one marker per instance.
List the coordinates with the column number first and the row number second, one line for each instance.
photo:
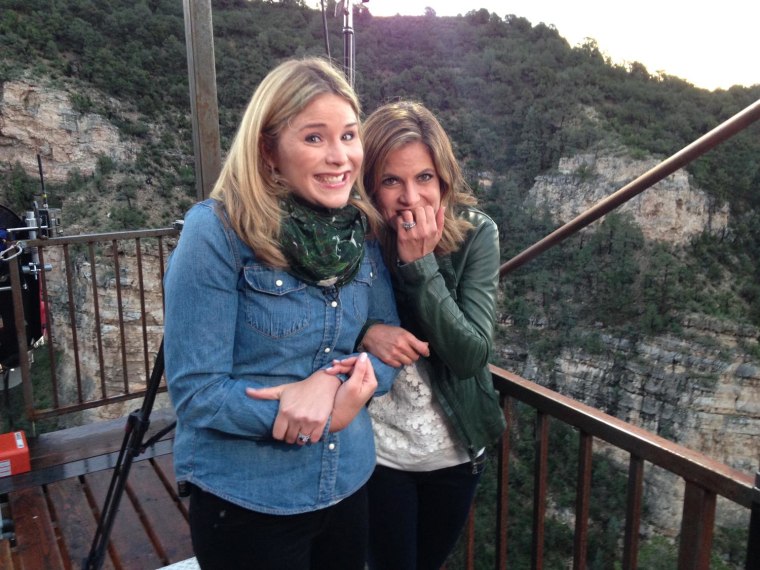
column 753, row 540
column 633, row 513
column 697, row 524
column 502, row 488
column 582, row 501
column 21, row 337
column 540, row 489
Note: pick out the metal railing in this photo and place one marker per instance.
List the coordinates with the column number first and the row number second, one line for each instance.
column 703, row 478
column 102, row 323
column 105, row 323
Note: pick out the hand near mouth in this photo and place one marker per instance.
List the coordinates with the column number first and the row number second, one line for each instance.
column 423, row 237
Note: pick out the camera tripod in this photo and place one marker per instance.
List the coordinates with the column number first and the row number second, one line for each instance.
column 132, row 446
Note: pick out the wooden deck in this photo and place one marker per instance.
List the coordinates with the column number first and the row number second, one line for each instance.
column 55, row 508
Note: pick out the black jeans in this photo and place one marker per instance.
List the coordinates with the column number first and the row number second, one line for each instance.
column 415, row 518
column 228, row 537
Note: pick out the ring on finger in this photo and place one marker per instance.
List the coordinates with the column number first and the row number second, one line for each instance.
column 408, row 225
column 303, row 437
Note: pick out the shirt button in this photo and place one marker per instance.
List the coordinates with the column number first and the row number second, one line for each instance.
column 278, row 282
column 334, row 304
column 327, row 349
column 331, row 446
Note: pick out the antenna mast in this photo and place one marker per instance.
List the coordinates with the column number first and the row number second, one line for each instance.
column 348, row 39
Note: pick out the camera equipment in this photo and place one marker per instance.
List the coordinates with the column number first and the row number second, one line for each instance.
column 15, row 256
column 137, row 426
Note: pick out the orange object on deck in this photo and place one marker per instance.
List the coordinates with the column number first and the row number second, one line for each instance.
column 14, row 454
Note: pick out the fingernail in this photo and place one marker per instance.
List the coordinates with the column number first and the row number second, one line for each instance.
column 363, row 356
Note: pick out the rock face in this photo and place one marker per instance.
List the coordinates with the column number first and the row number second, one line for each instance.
column 701, row 390
column 671, row 210
column 99, row 316
column 36, row 119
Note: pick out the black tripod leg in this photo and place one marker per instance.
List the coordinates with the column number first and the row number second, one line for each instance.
column 132, row 446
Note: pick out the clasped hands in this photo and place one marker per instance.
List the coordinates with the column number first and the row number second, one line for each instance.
column 306, row 406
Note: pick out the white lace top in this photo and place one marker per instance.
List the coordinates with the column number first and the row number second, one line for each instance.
column 412, row 432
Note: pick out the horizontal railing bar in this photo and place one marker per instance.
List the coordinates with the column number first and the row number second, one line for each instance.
column 682, row 461
column 88, row 238
column 89, row 404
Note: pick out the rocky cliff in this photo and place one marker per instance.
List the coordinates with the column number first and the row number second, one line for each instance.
column 700, row 389
column 36, row 118
column 671, row 210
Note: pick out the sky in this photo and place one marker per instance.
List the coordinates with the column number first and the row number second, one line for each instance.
column 709, row 44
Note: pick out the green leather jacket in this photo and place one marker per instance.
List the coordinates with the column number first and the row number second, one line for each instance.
column 450, row 301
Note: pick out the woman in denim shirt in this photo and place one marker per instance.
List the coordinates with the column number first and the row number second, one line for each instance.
column 273, row 277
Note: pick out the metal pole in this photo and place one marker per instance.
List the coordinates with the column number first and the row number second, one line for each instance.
column 325, row 31
column 348, row 40
column 753, row 541
column 199, row 40
column 21, row 337
column 683, row 157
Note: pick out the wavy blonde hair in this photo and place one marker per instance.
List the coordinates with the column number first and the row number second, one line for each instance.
column 396, row 124
column 247, row 186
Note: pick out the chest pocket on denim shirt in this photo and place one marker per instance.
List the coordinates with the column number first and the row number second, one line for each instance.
column 276, row 304
column 361, row 285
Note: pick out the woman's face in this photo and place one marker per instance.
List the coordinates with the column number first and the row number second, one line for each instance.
column 319, row 153
column 408, row 181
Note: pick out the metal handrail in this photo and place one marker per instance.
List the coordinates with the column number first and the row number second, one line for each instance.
column 101, row 396
column 704, row 479
column 667, row 167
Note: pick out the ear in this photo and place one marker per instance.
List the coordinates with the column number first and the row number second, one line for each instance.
column 268, row 155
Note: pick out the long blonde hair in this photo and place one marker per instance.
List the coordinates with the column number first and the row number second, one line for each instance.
column 247, row 186
column 396, row 124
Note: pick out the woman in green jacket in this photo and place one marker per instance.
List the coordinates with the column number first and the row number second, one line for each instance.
column 432, row 429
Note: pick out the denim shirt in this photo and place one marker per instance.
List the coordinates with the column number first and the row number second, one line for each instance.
column 234, row 323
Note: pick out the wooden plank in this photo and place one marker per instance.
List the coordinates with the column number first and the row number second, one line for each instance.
column 129, row 540
column 36, row 545
column 161, row 508
column 76, row 521
column 164, row 465
column 53, row 473
column 6, row 563
column 91, row 440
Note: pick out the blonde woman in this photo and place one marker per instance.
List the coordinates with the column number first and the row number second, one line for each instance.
column 273, row 277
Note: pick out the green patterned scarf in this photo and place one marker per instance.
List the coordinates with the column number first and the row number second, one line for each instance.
column 324, row 247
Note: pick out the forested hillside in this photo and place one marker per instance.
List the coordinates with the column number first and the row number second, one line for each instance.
column 515, row 98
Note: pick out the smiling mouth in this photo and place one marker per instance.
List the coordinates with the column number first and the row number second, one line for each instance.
column 336, row 179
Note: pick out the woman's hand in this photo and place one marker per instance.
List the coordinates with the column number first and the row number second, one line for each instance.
column 423, row 237
column 305, row 406
column 355, row 392
column 395, row 346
